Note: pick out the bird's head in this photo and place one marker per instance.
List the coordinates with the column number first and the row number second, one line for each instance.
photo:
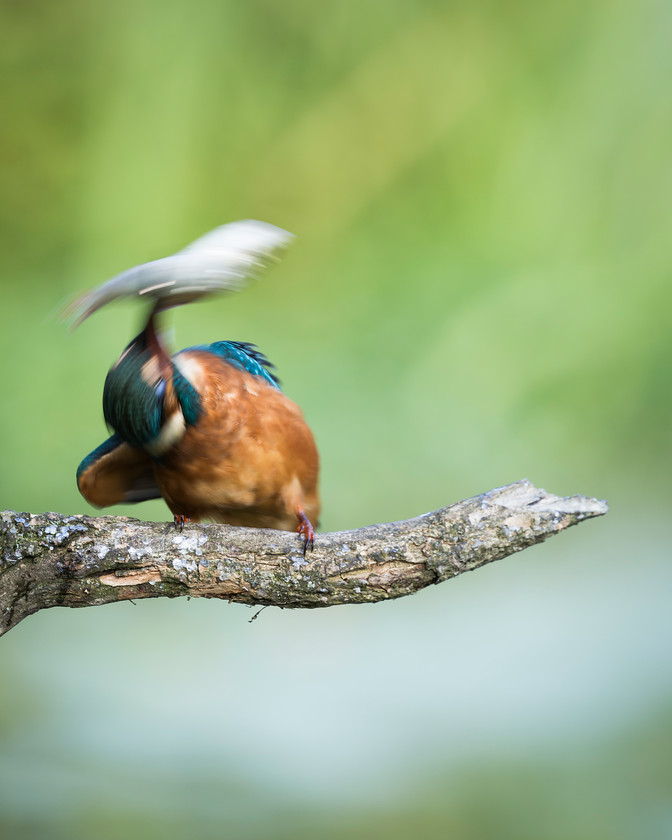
column 135, row 389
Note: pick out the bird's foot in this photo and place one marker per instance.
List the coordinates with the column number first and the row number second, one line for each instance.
column 305, row 530
column 180, row 521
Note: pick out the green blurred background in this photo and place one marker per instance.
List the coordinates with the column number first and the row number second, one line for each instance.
column 479, row 291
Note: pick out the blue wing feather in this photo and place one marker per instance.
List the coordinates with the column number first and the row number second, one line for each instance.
column 244, row 356
column 105, row 448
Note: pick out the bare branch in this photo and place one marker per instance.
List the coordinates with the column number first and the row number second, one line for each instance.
column 50, row 560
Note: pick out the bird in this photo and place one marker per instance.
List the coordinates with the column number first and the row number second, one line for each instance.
column 208, row 428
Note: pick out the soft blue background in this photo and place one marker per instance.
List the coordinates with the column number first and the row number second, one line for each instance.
column 479, row 291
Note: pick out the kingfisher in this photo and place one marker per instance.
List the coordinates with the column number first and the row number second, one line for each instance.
column 208, row 429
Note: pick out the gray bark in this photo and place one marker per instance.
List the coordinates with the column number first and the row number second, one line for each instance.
column 50, row 560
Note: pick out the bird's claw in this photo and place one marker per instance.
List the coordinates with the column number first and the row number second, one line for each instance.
column 305, row 530
column 180, row 521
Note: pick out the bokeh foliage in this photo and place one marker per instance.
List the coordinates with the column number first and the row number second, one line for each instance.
column 479, row 291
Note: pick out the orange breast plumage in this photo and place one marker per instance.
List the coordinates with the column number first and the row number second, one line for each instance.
column 249, row 460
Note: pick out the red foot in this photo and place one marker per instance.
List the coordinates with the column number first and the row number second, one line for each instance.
column 180, row 521
column 305, row 530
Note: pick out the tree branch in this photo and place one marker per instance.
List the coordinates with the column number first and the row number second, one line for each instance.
column 50, row 560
